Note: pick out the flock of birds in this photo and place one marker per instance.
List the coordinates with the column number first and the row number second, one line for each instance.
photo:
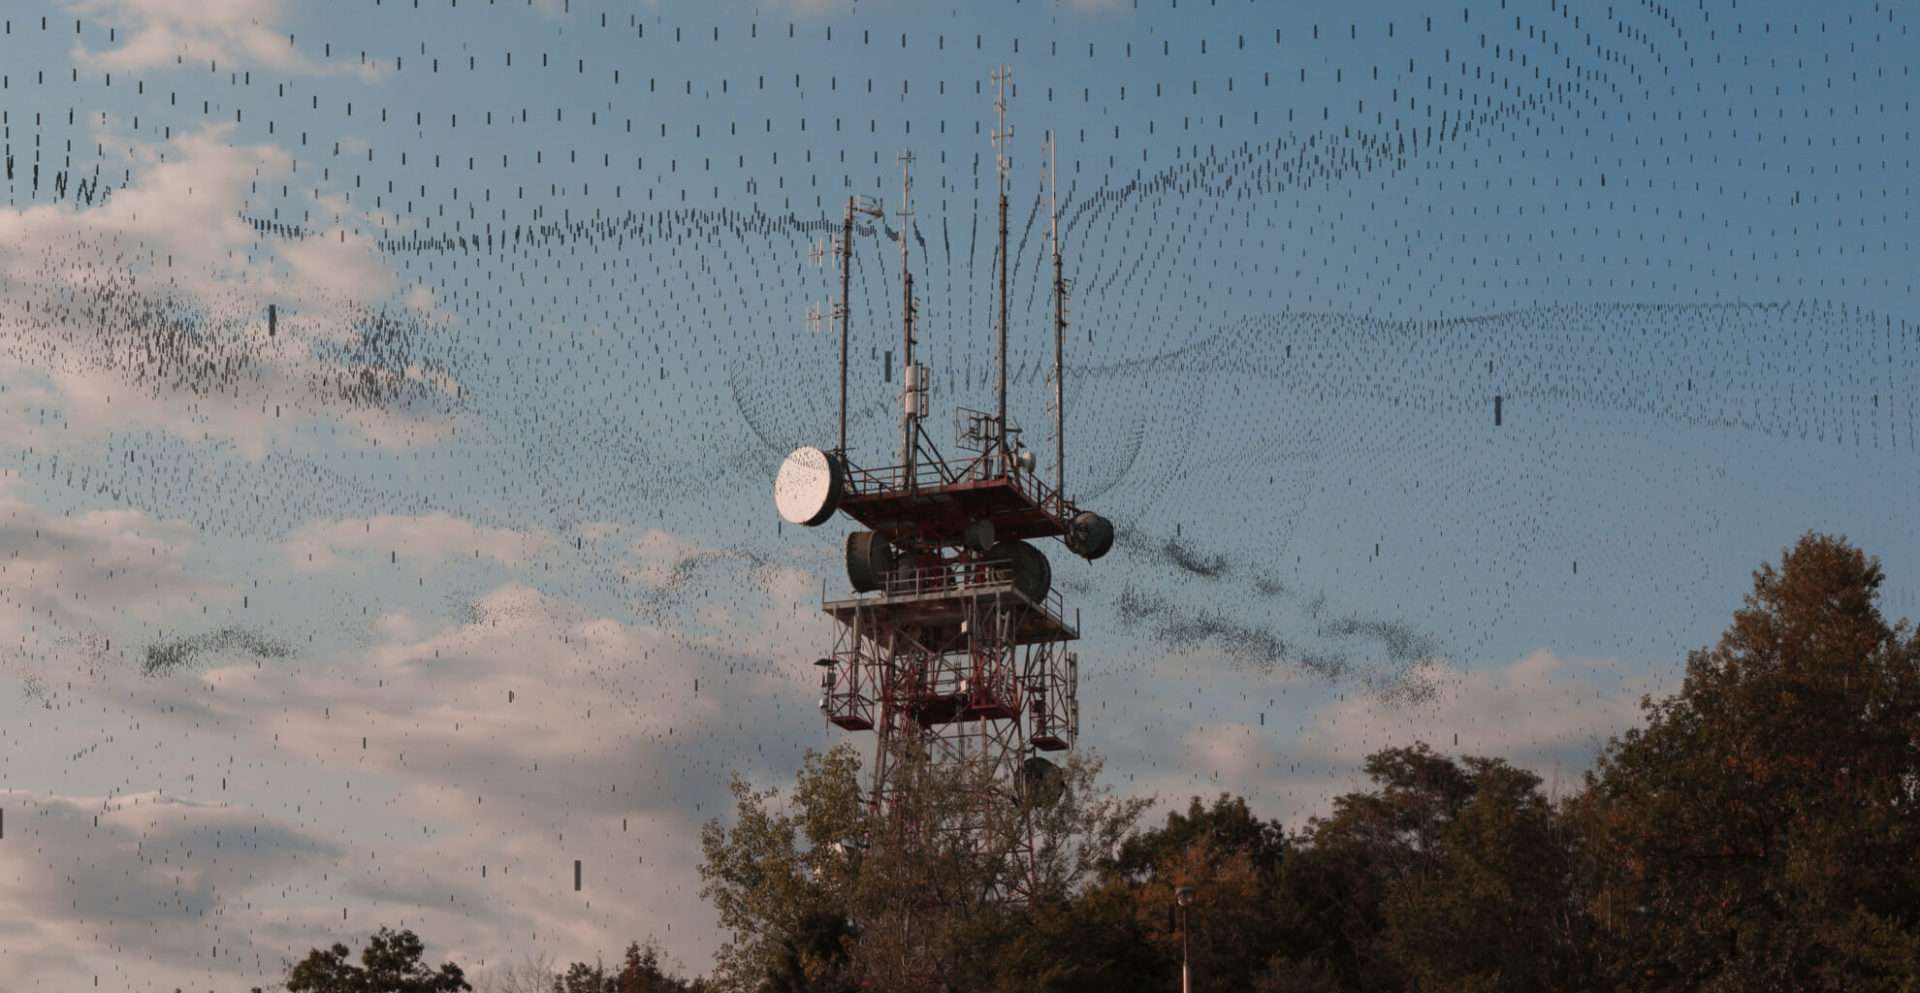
column 1395, row 338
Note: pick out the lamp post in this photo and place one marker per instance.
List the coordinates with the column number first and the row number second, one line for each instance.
column 1184, row 897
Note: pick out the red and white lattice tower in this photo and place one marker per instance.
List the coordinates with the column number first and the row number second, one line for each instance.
column 953, row 645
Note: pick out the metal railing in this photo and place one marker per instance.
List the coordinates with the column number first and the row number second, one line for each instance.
column 844, row 697
column 1053, row 700
column 1045, row 497
column 964, row 577
column 862, row 482
column 931, row 475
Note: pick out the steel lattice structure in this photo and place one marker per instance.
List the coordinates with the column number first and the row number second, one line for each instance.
column 954, row 662
column 953, row 648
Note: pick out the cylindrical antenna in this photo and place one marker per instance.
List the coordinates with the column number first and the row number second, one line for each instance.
column 908, row 405
column 1059, row 331
column 1000, row 138
column 846, row 312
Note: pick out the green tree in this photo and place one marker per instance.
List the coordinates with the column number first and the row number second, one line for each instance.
column 1449, row 875
column 583, row 978
column 1335, row 882
column 1107, row 926
column 782, row 873
column 1491, row 909
column 641, row 971
column 1230, row 858
column 1226, row 827
column 1094, row 942
column 815, row 959
column 816, row 898
column 932, row 886
column 391, row 963
column 1230, row 926
column 1760, row 832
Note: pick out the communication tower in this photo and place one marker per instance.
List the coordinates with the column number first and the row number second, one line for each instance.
column 954, row 644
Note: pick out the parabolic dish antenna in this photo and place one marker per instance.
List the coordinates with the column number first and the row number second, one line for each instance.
column 809, row 486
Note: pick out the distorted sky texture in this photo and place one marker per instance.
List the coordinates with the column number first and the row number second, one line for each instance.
column 390, row 394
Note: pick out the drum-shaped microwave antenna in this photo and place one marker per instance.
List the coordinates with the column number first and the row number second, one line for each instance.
column 1091, row 535
column 1029, row 570
column 869, row 560
column 809, row 486
column 979, row 535
column 1042, row 779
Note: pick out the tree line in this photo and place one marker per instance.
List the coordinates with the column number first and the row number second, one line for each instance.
column 1758, row 832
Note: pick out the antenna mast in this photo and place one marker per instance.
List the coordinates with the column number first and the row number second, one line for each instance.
column 1059, row 329
column 846, row 309
column 1001, row 135
column 909, row 407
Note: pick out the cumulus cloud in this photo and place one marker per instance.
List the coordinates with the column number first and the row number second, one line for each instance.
column 160, row 33
column 1545, row 712
column 501, row 746
column 186, row 259
column 70, row 583
column 158, row 878
column 345, row 265
column 439, row 773
column 667, row 569
column 183, row 204
column 429, row 538
column 526, row 679
column 1535, row 711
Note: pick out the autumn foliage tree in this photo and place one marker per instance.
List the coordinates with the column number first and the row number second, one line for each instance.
column 1760, row 833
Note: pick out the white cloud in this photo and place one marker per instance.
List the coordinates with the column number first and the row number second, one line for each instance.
column 667, row 568
column 177, row 227
column 444, row 777
column 529, row 733
column 1543, row 712
column 159, row 33
column 343, row 264
column 1532, row 711
column 429, row 538
column 528, row 678
column 163, row 882
column 183, row 206
column 70, row 583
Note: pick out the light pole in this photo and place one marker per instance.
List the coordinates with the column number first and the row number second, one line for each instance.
column 1184, row 896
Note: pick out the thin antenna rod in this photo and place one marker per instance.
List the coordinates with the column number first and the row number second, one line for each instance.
column 909, row 407
column 846, row 311
column 1001, row 135
column 1059, row 329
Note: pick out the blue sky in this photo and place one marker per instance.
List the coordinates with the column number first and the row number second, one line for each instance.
column 467, row 569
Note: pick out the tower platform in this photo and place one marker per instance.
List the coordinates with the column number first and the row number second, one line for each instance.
column 936, row 603
column 942, row 500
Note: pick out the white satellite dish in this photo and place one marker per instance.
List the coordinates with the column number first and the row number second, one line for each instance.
column 809, row 486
